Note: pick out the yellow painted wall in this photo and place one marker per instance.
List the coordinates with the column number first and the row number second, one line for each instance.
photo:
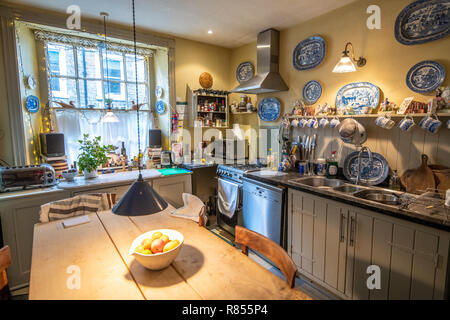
column 388, row 61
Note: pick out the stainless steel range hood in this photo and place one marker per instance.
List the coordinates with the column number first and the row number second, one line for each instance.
column 267, row 79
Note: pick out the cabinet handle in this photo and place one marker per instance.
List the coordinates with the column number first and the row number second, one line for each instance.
column 341, row 228
column 352, row 231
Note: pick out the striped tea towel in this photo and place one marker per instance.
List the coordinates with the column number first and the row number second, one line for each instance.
column 76, row 206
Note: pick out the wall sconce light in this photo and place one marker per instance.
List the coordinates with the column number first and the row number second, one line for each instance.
column 346, row 64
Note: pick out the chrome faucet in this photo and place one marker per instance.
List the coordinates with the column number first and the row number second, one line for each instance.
column 363, row 149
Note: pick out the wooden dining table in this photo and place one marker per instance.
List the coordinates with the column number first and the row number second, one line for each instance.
column 92, row 261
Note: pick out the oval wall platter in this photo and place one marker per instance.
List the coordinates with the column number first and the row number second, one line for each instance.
column 358, row 95
column 426, row 76
column 269, row 109
column 423, row 21
column 244, row 71
column 312, row 91
column 371, row 174
column 309, row 53
column 32, row 104
column 160, row 107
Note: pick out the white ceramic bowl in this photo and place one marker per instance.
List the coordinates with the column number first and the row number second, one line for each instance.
column 161, row 260
column 69, row 175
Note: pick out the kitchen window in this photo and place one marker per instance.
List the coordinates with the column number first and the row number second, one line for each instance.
column 81, row 72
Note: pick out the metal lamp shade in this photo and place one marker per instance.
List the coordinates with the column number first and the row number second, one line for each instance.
column 140, row 200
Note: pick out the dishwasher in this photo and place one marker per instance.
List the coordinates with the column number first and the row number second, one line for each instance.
column 264, row 210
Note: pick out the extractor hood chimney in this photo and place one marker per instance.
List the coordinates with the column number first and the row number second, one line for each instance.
column 267, row 79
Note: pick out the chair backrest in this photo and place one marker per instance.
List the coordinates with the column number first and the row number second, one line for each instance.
column 76, row 206
column 5, row 262
column 269, row 248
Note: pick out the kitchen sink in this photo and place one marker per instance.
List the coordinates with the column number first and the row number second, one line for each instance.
column 318, row 182
column 348, row 189
column 381, row 196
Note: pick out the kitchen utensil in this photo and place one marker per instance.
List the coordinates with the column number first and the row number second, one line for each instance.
column 431, row 125
column 313, row 123
column 302, row 123
column 323, row 123
column 406, row 123
column 334, row 122
column 385, row 122
column 420, row 179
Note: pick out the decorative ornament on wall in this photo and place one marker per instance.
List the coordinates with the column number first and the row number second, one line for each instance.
column 309, row 53
column 269, row 109
column 30, row 82
column 206, row 80
column 423, row 21
column 159, row 91
column 312, row 91
column 244, row 71
column 160, row 107
column 32, row 104
column 426, row 76
column 356, row 96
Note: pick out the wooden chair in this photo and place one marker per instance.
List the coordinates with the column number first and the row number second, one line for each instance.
column 5, row 262
column 270, row 249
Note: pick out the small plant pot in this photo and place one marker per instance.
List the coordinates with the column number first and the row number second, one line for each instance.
column 90, row 174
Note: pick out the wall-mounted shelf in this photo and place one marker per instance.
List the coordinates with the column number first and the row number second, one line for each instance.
column 246, row 112
column 370, row 115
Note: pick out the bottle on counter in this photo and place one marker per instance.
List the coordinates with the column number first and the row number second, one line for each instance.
column 394, row 181
column 332, row 166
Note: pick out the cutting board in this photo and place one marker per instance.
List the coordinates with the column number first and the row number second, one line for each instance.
column 420, row 179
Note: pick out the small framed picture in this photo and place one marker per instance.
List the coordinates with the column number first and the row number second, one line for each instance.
column 405, row 105
column 432, row 106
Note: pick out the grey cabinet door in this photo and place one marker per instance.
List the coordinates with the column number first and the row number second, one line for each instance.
column 172, row 188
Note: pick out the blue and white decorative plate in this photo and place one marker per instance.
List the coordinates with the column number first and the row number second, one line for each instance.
column 32, row 104
column 358, row 95
column 312, row 91
column 159, row 92
column 371, row 174
column 160, row 107
column 423, row 21
column 269, row 109
column 309, row 53
column 244, row 71
column 426, row 76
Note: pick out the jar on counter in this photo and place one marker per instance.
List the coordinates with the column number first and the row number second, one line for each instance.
column 321, row 167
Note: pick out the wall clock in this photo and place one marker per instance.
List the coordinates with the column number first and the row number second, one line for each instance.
column 32, row 104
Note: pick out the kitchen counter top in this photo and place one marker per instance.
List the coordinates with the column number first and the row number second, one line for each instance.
column 435, row 221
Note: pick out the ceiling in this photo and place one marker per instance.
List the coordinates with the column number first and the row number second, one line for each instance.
column 233, row 22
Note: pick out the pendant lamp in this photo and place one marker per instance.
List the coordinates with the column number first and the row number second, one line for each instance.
column 109, row 117
column 141, row 199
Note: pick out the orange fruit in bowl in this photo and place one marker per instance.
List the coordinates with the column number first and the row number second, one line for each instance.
column 156, row 235
column 165, row 238
column 171, row 245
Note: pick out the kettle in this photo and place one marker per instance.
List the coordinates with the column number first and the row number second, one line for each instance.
column 352, row 132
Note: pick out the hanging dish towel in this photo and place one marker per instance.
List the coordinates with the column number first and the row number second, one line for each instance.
column 228, row 197
column 192, row 209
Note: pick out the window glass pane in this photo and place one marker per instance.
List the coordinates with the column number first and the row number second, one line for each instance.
column 60, row 59
column 64, row 90
column 143, row 95
column 91, row 94
column 114, row 69
column 116, row 92
column 88, row 63
column 131, row 73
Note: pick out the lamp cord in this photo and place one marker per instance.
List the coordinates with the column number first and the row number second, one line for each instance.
column 137, row 89
column 107, row 66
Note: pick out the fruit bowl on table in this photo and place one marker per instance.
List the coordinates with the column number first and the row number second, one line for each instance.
column 156, row 260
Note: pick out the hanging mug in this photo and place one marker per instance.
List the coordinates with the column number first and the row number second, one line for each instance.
column 334, row 122
column 323, row 123
column 406, row 123
column 294, row 123
column 431, row 125
column 313, row 123
column 385, row 122
column 302, row 123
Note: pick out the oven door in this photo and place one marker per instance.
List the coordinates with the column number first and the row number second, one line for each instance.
column 229, row 194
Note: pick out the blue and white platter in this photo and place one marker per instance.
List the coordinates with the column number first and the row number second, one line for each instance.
column 32, row 104
column 309, row 53
column 312, row 91
column 426, row 76
column 358, row 95
column 160, row 107
column 269, row 109
column 423, row 21
column 244, row 71
column 370, row 174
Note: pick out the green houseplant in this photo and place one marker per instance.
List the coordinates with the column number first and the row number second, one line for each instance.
column 92, row 155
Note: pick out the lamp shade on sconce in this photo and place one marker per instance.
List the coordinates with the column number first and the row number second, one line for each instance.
column 344, row 65
column 140, row 200
column 110, row 117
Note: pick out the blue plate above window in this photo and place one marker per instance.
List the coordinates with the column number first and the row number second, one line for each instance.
column 309, row 53
column 426, row 76
column 269, row 109
column 160, row 107
column 32, row 104
column 423, row 21
column 312, row 91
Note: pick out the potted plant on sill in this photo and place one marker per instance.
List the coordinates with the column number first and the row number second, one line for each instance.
column 92, row 155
